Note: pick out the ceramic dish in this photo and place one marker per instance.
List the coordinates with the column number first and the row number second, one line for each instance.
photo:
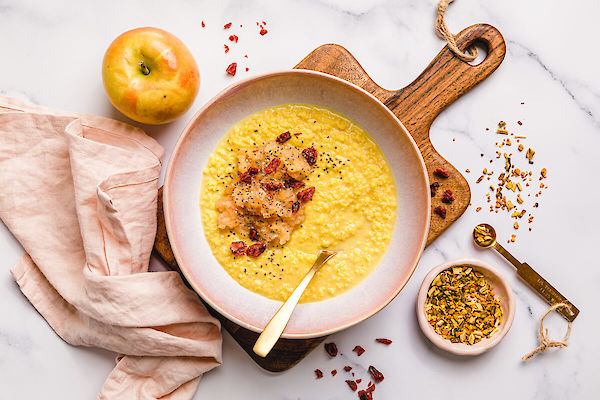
column 184, row 223
column 502, row 289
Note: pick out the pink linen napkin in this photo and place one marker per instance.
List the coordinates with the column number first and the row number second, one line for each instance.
column 79, row 193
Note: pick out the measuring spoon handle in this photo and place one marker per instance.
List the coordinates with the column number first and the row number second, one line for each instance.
column 539, row 284
column 547, row 291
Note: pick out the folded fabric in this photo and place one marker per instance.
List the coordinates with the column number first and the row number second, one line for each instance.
column 79, row 193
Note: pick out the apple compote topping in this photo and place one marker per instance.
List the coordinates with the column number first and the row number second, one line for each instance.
column 265, row 202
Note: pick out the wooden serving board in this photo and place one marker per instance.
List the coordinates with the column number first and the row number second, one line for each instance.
column 417, row 105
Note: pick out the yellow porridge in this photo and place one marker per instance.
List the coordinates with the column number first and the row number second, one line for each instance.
column 287, row 182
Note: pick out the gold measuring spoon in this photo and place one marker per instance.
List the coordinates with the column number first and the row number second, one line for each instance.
column 484, row 235
column 270, row 335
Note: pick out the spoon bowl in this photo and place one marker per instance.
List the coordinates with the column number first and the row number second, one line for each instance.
column 481, row 233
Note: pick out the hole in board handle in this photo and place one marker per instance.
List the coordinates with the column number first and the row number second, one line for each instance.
column 481, row 53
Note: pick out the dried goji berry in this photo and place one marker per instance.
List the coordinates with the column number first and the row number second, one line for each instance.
column 203, row 24
column 263, row 32
column 238, row 248
column 318, row 373
column 441, row 211
column 358, row 380
column 358, row 350
column 231, row 69
column 384, row 341
column 272, row 186
column 284, row 137
column 377, row 376
column 347, row 368
column 295, row 207
column 433, row 188
column 247, row 176
column 226, row 48
column 253, row 234
column 310, row 155
column 227, row 25
column 352, row 385
column 331, row 349
column 273, row 165
column 306, row 195
column 364, row 395
column 447, row 197
column 292, row 183
column 334, row 372
column 256, row 249
column 233, row 38
column 441, row 173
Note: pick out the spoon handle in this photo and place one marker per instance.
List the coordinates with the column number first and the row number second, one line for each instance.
column 547, row 291
column 540, row 285
column 275, row 327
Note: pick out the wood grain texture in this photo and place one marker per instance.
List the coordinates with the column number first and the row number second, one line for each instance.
column 417, row 105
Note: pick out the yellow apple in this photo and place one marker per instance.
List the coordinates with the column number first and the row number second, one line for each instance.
column 150, row 75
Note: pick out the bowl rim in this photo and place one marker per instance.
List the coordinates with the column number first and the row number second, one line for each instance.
column 167, row 195
column 460, row 348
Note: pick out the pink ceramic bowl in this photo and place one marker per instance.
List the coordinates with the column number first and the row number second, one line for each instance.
column 502, row 290
column 184, row 224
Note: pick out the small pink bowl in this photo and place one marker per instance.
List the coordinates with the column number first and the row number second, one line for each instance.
column 502, row 290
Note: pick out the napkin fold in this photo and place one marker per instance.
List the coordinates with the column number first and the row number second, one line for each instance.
column 79, row 193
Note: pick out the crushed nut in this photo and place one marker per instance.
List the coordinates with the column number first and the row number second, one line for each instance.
column 519, row 199
column 461, row 306
column 502, row 128
column 483, row 235
column 529, row 155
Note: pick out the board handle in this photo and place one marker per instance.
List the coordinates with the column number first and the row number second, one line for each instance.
column 445, row 79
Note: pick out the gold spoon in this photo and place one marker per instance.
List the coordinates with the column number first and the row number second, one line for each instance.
column 277, row 324
column 484, row 235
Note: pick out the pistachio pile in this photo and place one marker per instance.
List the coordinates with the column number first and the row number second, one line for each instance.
column 461, row 306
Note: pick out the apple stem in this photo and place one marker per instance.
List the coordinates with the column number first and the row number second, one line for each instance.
column 145, row 69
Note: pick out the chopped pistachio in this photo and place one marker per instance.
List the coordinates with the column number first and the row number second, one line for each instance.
column 519, row 199
column 529, row 155
column 463, row 307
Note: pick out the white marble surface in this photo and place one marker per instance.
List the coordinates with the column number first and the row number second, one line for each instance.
column 51, row 53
